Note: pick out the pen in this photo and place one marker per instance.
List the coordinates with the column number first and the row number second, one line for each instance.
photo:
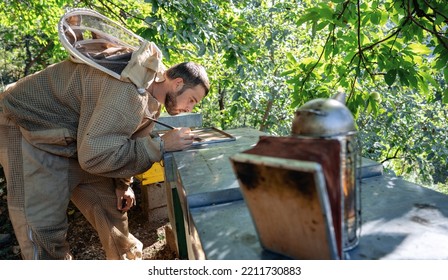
column 161, row 123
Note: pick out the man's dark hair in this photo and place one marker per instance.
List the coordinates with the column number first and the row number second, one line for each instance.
column 192, row 73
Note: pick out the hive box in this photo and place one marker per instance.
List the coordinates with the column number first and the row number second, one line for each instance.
column 292, row 188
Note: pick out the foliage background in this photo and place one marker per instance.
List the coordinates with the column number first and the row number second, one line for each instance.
column 266, row 58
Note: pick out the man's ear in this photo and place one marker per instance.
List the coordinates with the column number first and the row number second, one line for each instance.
column 179, row 83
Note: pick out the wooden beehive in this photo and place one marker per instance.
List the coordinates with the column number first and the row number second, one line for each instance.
column 289, row 205
column 288, row 193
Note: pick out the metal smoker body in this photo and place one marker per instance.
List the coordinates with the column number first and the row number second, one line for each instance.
column 331, row 119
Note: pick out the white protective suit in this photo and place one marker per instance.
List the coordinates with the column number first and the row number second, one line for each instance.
column 73, row 131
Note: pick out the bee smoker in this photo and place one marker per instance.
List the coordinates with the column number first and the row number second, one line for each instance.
column 330, row 120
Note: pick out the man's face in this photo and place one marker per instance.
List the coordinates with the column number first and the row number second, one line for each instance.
column 183, row 101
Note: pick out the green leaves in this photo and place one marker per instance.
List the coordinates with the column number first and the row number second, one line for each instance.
column 266, row 58
column 322, row 13
column 351, row 50
column 420, row 49
column 390, row 77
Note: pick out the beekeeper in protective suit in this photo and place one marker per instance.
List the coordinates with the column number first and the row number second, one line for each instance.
column 81, row 128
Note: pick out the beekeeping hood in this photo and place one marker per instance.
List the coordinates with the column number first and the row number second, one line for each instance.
column 94, row 39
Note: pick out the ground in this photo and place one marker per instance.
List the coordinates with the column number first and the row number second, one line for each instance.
column 84, row 242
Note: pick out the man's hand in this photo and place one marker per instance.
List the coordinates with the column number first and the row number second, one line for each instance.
column 178, row 139
column 125, row 199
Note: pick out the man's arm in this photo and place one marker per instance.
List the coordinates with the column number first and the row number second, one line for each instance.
column 105, row 144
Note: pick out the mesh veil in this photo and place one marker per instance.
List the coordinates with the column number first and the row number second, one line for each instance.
column 94, row 39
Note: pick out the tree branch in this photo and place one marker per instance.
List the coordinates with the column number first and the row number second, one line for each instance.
column 435, row 10
column 392, row 157
column 315, row 64
column 33, row 60
column 438, row 35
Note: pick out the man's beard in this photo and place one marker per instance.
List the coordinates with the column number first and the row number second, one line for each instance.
column 171, row 102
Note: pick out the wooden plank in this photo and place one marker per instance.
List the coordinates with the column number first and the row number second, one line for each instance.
column 326, row 152
column 289, row 205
